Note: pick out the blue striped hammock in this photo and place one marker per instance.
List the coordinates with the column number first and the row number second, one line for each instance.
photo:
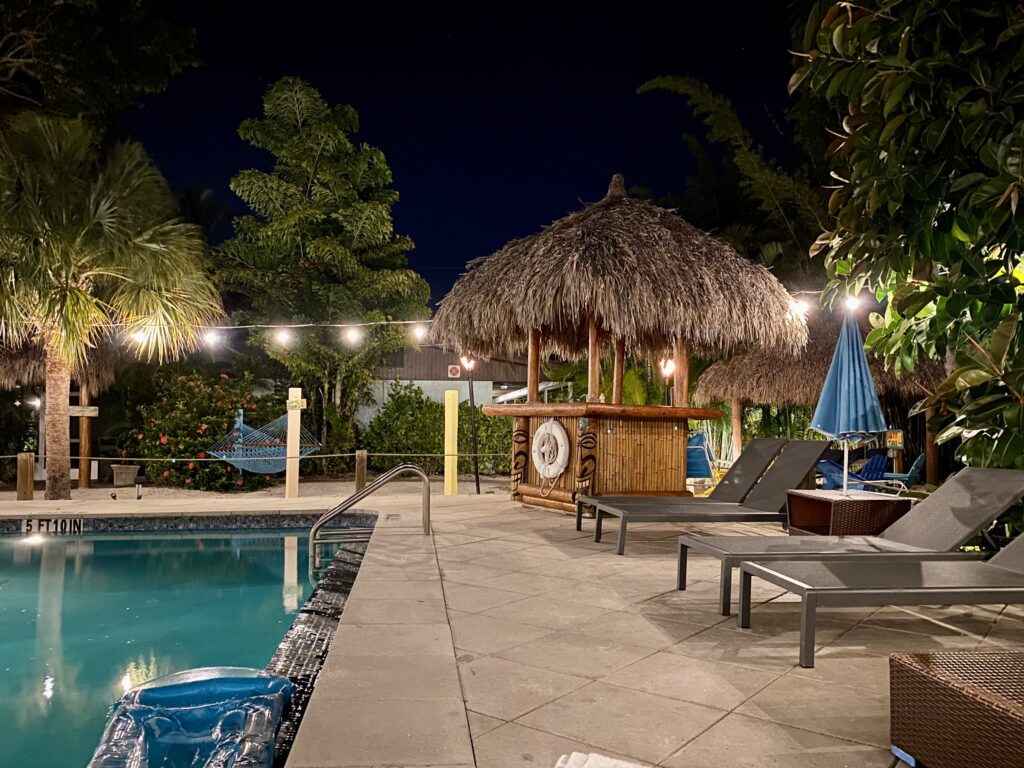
column 261, row 450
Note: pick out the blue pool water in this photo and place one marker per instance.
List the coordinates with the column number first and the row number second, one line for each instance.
column 82, row 619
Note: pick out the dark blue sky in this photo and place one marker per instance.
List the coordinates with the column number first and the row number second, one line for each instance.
column 494, row 123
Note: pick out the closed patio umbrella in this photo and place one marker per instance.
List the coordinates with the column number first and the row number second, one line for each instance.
column 848, row 409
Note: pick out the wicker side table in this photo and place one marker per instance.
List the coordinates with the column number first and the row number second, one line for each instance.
column 958, row 709
column 830, row 513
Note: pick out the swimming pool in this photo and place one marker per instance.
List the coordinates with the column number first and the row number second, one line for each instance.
column 82, row 619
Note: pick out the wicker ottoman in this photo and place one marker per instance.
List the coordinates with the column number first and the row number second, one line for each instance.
column 958, row 709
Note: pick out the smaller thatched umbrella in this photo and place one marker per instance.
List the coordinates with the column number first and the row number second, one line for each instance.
column 770, row 377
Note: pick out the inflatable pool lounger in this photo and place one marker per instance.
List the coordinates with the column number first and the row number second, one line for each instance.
column 203, row 718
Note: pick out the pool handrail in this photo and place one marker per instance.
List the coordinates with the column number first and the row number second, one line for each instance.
column 355, row 498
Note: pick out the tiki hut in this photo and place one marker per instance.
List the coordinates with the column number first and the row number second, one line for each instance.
column 771, row 377
column 634, row 276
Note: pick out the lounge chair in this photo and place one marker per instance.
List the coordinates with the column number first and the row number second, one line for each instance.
column 892, row 581
column 734, row 487
column 870, row 476
column 933, row 529
column 766, row 502
column 912, row 476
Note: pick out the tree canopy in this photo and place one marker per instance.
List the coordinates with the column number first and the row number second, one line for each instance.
column 929, row 169
column 320, row 245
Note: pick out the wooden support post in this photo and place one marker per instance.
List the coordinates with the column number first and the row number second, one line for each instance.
column 533, row 367
column 593, row 364
column 361, row 461
column 736, row 406
column 618, row 371
column 451, row 442
column 681, row 396
column 291, row 451
column 84, row 440
column 26, row 476
column 931, row 452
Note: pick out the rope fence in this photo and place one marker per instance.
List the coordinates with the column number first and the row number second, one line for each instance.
column 164, row 459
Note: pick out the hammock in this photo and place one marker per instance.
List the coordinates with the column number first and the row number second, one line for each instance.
column 261, row 450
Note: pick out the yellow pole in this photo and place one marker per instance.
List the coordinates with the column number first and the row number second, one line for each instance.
column 451, row 442
column 291, row 451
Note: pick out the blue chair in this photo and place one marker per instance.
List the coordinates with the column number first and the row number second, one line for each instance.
column 912, row 476
column 871, row 476
column 874, row 468
column 699, row 461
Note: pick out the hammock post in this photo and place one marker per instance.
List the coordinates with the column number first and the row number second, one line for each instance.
column 291, row 477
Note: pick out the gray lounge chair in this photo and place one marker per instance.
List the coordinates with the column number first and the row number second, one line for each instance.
column 732, row 488
column 766, row 502
column 933, row 529
column 893, row 581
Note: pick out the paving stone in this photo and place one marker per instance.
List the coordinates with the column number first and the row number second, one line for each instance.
column 575, row 654
column 544, row 612
column 646, row 631
column 371, row 611
column 745, row 742
column 488, row 635
column 471, row 599
column 392, row 640
column 528, row 583
column 481, row 724
column 836, row 710
column 514, row 746
column 712, row 683
column 647, row 727
column 348, row 732
column 406, row 677
column 507, row 689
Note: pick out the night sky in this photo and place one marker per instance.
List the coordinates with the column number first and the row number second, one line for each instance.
column 494, row 124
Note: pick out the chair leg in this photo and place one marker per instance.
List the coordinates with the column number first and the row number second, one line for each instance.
column 622, row 535
column 579, row 516
column 725, row 589
column 745, row 584
column 807, row 619
column 598, row 519
column 681, row 571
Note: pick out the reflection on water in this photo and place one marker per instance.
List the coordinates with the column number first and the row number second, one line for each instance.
column 83, row 620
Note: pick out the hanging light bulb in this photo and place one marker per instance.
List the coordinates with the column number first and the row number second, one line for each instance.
column 353, row 336
column 798, row 308
column 212, row 337
column 852, row 302
column 283, row 336
column 419, row 332
column 140, row 337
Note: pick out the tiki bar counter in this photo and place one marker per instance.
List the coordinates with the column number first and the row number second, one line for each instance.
column 622, row 275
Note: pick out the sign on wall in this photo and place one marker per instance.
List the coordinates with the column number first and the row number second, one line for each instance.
column 454, row 371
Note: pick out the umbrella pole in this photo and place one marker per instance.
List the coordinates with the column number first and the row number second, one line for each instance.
column 846, row 467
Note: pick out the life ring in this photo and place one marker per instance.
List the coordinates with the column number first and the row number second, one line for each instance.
column 550, row 449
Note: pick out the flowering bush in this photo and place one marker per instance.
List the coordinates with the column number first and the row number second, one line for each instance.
column 189, row 414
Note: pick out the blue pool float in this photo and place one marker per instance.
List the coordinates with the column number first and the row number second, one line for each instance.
column 215, row 717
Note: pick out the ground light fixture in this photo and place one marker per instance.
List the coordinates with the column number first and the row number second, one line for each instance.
column 667, row 366
column 469, row 364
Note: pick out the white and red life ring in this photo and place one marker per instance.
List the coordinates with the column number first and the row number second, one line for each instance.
column 550, row 449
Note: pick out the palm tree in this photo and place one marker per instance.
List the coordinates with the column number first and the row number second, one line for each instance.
column 90, row 252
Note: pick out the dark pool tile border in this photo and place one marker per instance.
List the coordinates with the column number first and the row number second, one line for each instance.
column 302, row 651
column 192, row 523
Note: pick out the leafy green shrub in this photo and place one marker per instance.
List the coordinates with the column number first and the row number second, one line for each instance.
column 411, row 424
column 189, row 414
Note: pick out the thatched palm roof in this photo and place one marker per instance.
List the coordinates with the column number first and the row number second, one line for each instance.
column 766, row 377
column 24, row 366
column 643, row 272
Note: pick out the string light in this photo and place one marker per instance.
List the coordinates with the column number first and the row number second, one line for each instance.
column 139, row 337
column 419, row 332
column 798, row 308
column 353, row 336
column 852, row 302
column 212, row 338
column 283, row 336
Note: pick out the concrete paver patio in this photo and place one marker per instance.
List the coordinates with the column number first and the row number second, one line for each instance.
column 564, row 646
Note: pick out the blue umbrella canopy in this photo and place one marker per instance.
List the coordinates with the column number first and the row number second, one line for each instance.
column 848, row 408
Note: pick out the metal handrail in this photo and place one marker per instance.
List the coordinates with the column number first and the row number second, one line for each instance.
column 315, row 536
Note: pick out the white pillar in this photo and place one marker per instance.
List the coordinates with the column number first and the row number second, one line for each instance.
column 291, row 591
column 291, row 476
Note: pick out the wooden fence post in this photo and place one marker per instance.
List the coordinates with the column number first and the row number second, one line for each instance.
column 26, row 476
column 361, row 460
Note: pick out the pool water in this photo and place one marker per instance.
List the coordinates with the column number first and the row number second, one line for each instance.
column 82, row 620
